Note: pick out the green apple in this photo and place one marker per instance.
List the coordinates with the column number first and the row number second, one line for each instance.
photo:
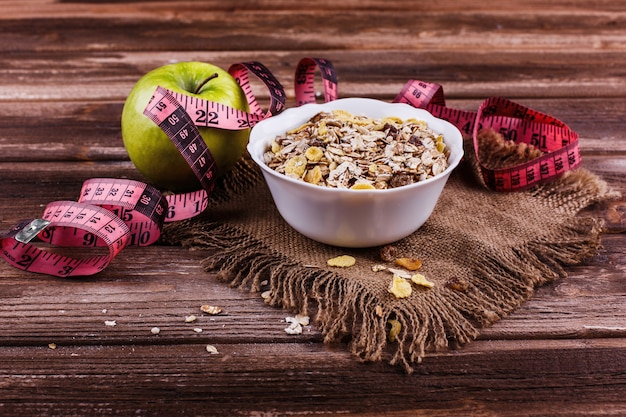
column 152, row 152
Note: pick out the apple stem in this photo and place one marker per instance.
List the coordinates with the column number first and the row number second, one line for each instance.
column 209, row 78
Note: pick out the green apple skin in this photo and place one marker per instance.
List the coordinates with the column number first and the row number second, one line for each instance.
column 149, row 148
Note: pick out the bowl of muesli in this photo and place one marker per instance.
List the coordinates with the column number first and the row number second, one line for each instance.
column 355, row 172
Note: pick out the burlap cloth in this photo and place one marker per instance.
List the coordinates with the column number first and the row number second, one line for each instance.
column 503, row 245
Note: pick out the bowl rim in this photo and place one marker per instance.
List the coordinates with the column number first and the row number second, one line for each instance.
column 305, row 108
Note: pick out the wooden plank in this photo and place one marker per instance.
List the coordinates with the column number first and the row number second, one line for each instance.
column 310, row 29
column 185, row 379
column 470, row 74
column 72, row 8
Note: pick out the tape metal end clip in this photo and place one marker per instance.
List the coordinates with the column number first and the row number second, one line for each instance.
column 30, row 230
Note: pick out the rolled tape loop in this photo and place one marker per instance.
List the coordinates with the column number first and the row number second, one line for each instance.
column 70, row 222
column 521, row 124
column 514, row 122
column 276, row 91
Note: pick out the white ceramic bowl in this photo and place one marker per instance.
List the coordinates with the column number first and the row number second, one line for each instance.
column 353, row 218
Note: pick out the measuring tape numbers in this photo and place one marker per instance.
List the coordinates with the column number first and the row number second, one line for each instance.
column 115, row 213
column 65, row 223
column 141, row 206
column 514, row 122
column 304, row 83
column 179, row 116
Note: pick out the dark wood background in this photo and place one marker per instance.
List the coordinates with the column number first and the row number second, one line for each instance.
column 65, row 70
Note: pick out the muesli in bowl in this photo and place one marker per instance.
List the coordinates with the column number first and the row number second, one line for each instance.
column 355, row 172
column 341, row 150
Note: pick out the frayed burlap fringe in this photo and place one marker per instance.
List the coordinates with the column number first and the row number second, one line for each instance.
column 353, row 304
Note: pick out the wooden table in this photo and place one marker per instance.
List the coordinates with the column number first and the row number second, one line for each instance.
column 67, row 68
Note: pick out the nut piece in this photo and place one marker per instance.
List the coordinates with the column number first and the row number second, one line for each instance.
column 342, row 261
column 457, row 284
column 400, row 287
column 420, row 279
column 388, row 253
column 411, row 264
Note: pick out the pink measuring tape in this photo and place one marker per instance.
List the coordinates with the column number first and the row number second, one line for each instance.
column 514, row 122
column 114, row 213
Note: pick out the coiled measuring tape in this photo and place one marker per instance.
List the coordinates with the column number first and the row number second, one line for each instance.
column 514, row 122
column 114, row 213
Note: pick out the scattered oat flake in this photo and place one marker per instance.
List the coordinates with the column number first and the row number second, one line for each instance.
column 378, row 310
column 294, row 328
column 399, row 272
column 209, row 309
column 190, row 319
column 266, row 294
column 302, row 319
column 342, row 261
column 420, row 279
column 211, row 349
column 104, row 311
column 110, row 323
column 52, row 346
column 296, row 323
column 197, row 329
column 400, row 287
column 155, row 330
column 411, row 264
